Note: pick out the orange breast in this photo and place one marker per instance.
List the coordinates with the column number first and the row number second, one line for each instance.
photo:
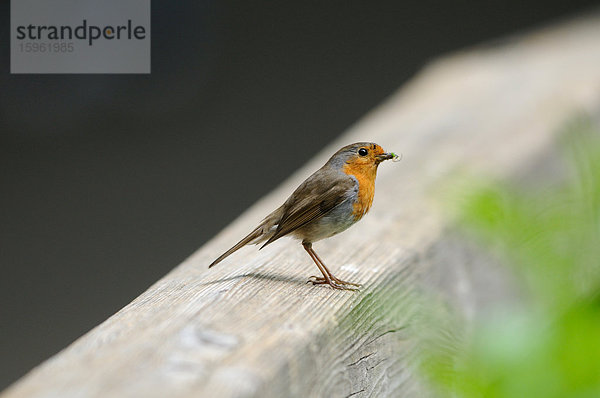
column 365, row 174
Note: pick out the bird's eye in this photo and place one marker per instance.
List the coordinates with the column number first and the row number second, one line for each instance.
column 363, row 152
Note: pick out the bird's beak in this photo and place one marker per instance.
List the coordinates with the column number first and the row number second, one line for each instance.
column 384, row 156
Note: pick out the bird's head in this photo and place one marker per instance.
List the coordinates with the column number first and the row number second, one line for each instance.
column 361, row 155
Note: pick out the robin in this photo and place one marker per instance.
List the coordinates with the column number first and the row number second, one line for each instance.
column 328, row 202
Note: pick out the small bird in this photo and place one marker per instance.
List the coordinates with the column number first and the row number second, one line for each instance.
column 328, row 202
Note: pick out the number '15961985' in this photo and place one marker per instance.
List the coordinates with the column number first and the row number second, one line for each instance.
column 33, row 47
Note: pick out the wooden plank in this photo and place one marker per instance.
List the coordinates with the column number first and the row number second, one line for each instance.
column 252, row 327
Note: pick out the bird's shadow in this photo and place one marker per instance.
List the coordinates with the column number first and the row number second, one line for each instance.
column 271, row 277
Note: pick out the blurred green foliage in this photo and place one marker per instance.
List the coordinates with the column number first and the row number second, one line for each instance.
column 549, row 345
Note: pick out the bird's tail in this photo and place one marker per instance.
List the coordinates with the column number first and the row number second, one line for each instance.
column 252, row 237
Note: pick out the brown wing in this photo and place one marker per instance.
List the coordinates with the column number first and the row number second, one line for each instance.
column 312, row 200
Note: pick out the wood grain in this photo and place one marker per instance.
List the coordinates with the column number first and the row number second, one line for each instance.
column 252, row 327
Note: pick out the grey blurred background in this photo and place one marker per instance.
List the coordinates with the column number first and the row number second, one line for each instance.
column 109, row 181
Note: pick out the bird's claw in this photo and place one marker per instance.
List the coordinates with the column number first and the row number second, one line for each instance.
column 333, row 282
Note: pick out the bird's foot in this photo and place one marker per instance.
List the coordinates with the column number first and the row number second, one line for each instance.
column 341, row 282
column 333, row 282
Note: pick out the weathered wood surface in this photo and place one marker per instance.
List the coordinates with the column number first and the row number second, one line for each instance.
column 252, row 327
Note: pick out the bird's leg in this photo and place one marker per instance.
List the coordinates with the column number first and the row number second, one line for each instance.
column 333, row 278
column 314, row 279
column 327, row 278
